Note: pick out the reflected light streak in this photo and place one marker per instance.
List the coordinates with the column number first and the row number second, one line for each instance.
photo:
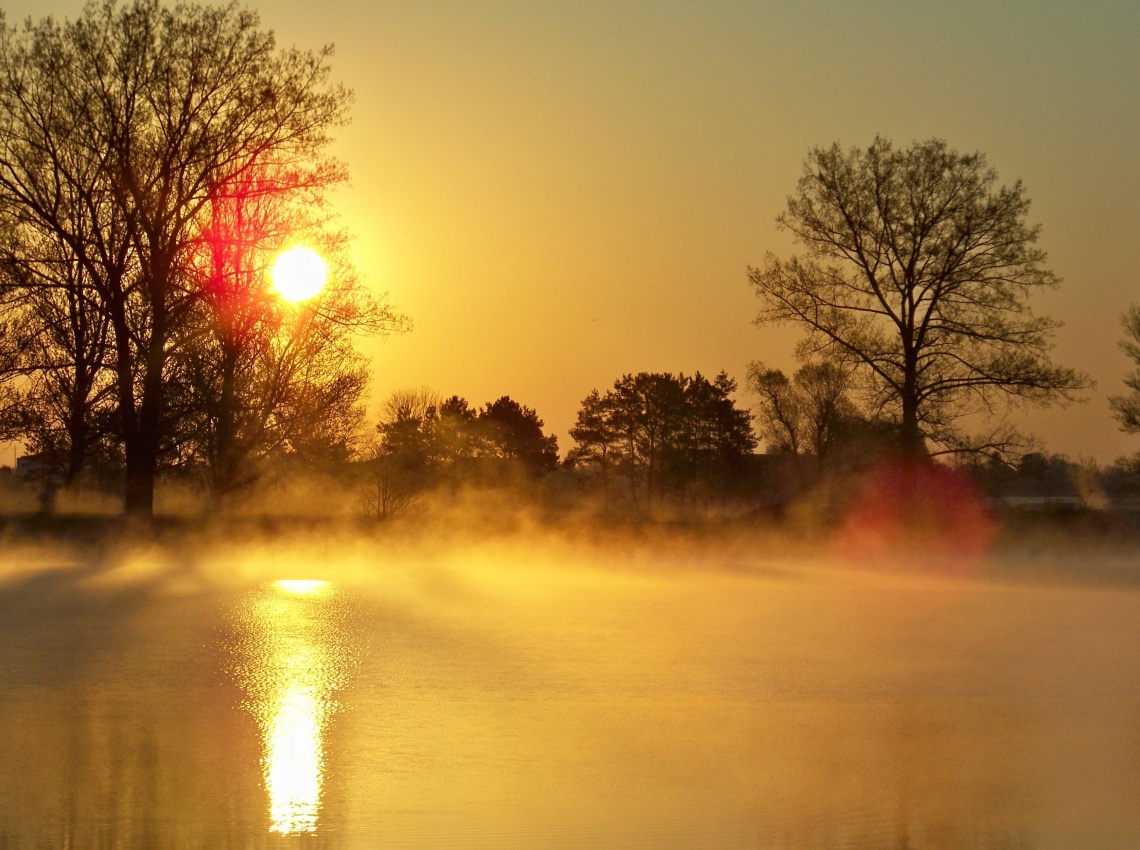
column 292, row 661
column 294, row 755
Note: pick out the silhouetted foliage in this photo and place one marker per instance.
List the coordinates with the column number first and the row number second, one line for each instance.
column 812, row 417
column 428, row 441
column 1122, row 479
column 515, row 432
column 457, row 436
column 662, row 433
column 595, row 439
column 806, row 414
column 1040, row 479
column 408, row 434
column 916, row 272
column 715, row 438
column 1126, row 408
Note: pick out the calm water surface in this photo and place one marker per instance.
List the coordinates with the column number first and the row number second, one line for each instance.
column 483, row 702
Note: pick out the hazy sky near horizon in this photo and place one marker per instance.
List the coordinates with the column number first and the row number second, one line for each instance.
column 557, row 193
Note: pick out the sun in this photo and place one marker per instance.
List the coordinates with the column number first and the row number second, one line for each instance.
column 299, row 273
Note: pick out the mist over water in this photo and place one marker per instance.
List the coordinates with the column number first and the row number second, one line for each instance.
column 525, row 692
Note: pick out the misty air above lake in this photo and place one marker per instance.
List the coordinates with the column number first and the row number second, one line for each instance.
column 528, row 692
column 569, row 425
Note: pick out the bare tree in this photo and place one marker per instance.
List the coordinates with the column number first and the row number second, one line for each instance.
column 387, row 492
column 139, row 112
column 916, row 270
column 806, row 414
column 1126, row 408
column 63, row 413
column 781, row 416
column 407, row 430
column 265, row 377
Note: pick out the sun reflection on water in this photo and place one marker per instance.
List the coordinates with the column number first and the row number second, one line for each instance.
column 293, row 658
column 296, row 585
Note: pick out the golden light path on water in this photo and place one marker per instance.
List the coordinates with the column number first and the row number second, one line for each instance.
column 293, row 658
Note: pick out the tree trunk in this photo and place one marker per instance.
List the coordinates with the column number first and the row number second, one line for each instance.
column 225, row 461
column 141, row 427
column 138, row 490
column 142, row 463
column 649, row 485
column 139, row 493
column 76, row 424
column 911, row 441
column 604, row 469
column 77, row 448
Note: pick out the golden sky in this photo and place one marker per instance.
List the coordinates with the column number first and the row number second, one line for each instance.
column 560, row 192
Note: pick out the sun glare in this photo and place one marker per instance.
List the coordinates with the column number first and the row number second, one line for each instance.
column 300, row 586
column 299, row 273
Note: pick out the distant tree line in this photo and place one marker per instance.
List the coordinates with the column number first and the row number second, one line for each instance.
column 652, row 439
column 425, row 442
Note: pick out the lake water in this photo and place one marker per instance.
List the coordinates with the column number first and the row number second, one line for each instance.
column 523, row 697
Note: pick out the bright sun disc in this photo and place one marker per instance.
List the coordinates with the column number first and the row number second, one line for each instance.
column 299, row 273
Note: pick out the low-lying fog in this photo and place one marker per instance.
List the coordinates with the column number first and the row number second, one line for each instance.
column 513, row 693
